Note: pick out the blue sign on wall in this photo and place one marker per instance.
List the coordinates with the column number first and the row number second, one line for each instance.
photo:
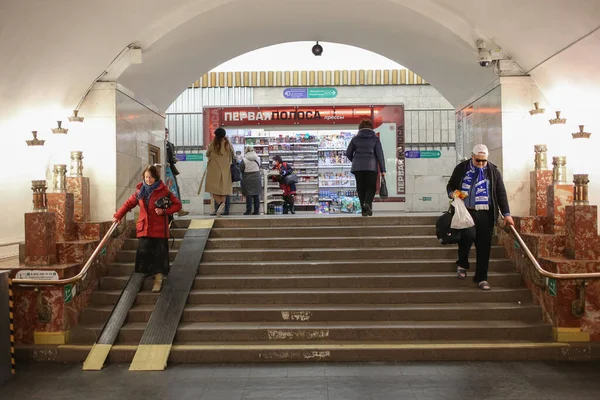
column 423, row 154
column 180, row 157
column 295, row 93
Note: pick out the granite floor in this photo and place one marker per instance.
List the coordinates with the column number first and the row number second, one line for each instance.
column 344, row 381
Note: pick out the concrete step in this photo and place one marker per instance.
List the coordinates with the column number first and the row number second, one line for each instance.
column 466, row 293
column 128, row 256
column 181, row 223
column 369, row 280
column 323, row 221
column 132, row 244
column 323, row 242
column 331, row 312
column 372, row 253
column 324, row 231
column 333, row 267
column 323, row 267
column 344, row 330
column 330, row 351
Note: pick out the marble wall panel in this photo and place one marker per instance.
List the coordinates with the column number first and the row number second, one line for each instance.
column 40, row 238
column 80, row 187
column 63, row 205
column 539, row 181
column 581, row 232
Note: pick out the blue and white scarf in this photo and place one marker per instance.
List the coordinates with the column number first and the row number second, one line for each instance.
column 146, row 191
column 482, row 199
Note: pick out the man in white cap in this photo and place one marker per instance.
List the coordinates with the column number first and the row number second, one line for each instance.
column 480, row 184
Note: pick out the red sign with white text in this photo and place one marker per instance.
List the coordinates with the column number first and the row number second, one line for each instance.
column 311, row 115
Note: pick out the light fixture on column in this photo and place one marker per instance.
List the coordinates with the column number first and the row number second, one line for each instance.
column 580, row 191
column 558, row 120
column 541, row 162
column 75, row 117
column 559, row 170
column 581, row 134
column 40, row 199
column 537, row 109
column 60, row 129
column 35, row 141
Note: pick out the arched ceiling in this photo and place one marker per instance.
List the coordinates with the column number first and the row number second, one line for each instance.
column 52, row 51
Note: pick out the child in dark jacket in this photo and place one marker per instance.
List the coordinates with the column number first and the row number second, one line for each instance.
column 289, row 190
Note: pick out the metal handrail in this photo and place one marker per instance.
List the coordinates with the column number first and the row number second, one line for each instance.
column 585, row 275
column 80, row 275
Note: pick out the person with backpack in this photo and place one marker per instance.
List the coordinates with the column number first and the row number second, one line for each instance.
column 289, row 189
column 251, row 185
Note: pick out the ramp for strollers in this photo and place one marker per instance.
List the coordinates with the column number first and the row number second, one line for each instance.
column 155, row 345
column 97, row 356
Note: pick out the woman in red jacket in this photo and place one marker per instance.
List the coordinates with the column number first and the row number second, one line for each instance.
column 152, row 228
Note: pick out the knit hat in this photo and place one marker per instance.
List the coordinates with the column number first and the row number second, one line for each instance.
column 480, row 148
column 220, row 133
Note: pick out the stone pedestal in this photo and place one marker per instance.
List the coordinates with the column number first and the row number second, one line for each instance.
column 40, row 238
column 80, row 187
column 582, row 232
column 62, row 204
column 538, row 199
column 559, row 196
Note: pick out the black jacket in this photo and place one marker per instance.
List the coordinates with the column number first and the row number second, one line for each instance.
column 499, row 198
column 171, row 159
column 365, row 152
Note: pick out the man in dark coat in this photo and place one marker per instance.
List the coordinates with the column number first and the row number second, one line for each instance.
column 480, row 184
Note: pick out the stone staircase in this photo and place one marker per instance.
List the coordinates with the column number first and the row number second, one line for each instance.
column 330, row 288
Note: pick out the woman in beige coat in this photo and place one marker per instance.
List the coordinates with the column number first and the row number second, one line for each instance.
column 218, row 172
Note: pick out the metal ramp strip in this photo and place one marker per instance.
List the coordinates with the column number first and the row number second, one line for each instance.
column 156, row 342
column 99, row 352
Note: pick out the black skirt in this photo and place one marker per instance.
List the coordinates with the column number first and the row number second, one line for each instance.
column 152, row 256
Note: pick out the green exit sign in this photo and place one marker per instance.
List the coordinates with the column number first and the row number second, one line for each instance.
column 185, row 202
column 426, row 198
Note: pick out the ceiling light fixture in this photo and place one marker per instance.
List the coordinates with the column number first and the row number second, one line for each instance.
column 35, row 141
column 558, row 120
column 537, row 109
column 581, row 134
column 60, row 129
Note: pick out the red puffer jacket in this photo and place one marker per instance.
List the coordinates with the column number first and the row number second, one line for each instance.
column 150, row 224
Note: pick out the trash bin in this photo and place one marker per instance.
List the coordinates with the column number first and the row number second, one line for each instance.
column 5, row 344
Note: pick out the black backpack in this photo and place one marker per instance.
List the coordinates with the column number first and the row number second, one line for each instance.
column 444, row 233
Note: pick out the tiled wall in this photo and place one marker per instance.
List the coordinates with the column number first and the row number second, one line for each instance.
column 481, row 122
column 426, row 180
column 136, row 127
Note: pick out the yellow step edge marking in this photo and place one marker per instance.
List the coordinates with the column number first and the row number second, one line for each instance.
column 201, row 224
column 570, row 335
column 150, row 357
column 51, row 337
column 97, row 357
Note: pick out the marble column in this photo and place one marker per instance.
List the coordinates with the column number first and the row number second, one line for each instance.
column 80, row 187
column 582, row 232
column 559, row 196
column 40, row 238
column 538, row 199
column 62, row 204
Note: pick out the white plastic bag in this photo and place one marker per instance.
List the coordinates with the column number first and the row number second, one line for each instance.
column 461, row 219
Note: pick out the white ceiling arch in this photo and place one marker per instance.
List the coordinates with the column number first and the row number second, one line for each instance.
column 236, row 27
column 53, row 50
